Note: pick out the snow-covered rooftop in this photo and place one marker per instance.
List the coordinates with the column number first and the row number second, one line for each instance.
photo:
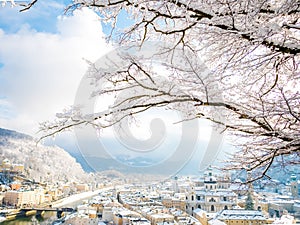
column 241, row 215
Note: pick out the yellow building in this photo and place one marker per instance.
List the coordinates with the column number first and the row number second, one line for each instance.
column 19, row 199
column 82, row 187
column 242, row 217
column 200, row 215
column 161, row 218
column 18, row 168
column 174, row 203
column 53, row 194
column 6, row 165
column 123, row 216
column 98, row 205
column 24, row 198
column 92, row 212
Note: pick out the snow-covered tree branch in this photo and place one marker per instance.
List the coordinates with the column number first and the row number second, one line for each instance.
column 22, row 5
column 251, row 49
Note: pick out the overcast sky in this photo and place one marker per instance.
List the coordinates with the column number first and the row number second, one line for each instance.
column 42, row 60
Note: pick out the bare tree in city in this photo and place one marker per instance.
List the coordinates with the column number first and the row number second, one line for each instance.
column 250, row 47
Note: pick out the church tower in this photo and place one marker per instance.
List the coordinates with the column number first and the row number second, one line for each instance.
column 210, row 181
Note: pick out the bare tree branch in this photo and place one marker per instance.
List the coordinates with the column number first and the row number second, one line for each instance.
column 27, row 6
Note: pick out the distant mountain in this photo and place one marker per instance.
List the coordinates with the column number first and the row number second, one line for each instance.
column 81, row 160
column 42, row 163
column 12, row 133
column 6, row 134
column 135, row 161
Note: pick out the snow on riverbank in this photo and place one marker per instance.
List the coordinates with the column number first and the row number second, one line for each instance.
column 77, row 197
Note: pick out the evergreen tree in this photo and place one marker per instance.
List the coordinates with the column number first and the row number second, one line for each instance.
column 249, row 202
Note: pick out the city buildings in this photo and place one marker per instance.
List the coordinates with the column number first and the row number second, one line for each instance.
column 24, row 198
column 207, row 199
column 242, row 217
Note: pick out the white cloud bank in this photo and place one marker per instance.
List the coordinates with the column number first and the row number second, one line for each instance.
column 41, row 71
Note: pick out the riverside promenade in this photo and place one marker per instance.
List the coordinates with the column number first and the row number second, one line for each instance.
column 77, row 197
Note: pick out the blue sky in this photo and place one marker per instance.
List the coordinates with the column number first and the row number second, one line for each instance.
column 38, row 51
column 41, row 17
column 42, row 54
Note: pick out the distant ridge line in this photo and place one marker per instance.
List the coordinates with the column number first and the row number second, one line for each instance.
column 13, row 134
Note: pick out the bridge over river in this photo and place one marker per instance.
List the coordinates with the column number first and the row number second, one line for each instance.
column 13, row 214
column 61, row 206
column 41, row 210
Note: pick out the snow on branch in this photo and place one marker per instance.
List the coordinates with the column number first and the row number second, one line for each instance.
column 247, row 81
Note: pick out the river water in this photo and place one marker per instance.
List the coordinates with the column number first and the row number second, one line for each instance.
column 46, row 219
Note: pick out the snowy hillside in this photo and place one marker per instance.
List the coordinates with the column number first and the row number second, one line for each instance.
column 42, row 163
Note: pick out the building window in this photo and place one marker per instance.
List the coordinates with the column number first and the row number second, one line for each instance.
column 212, row 200
column 224, row 199
column 199, row 206
column 192, row 208
column 212, row 208
column 192, row 197
column 225, row 207
column 198, row 197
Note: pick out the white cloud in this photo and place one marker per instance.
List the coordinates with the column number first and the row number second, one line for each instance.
column 41, row 71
